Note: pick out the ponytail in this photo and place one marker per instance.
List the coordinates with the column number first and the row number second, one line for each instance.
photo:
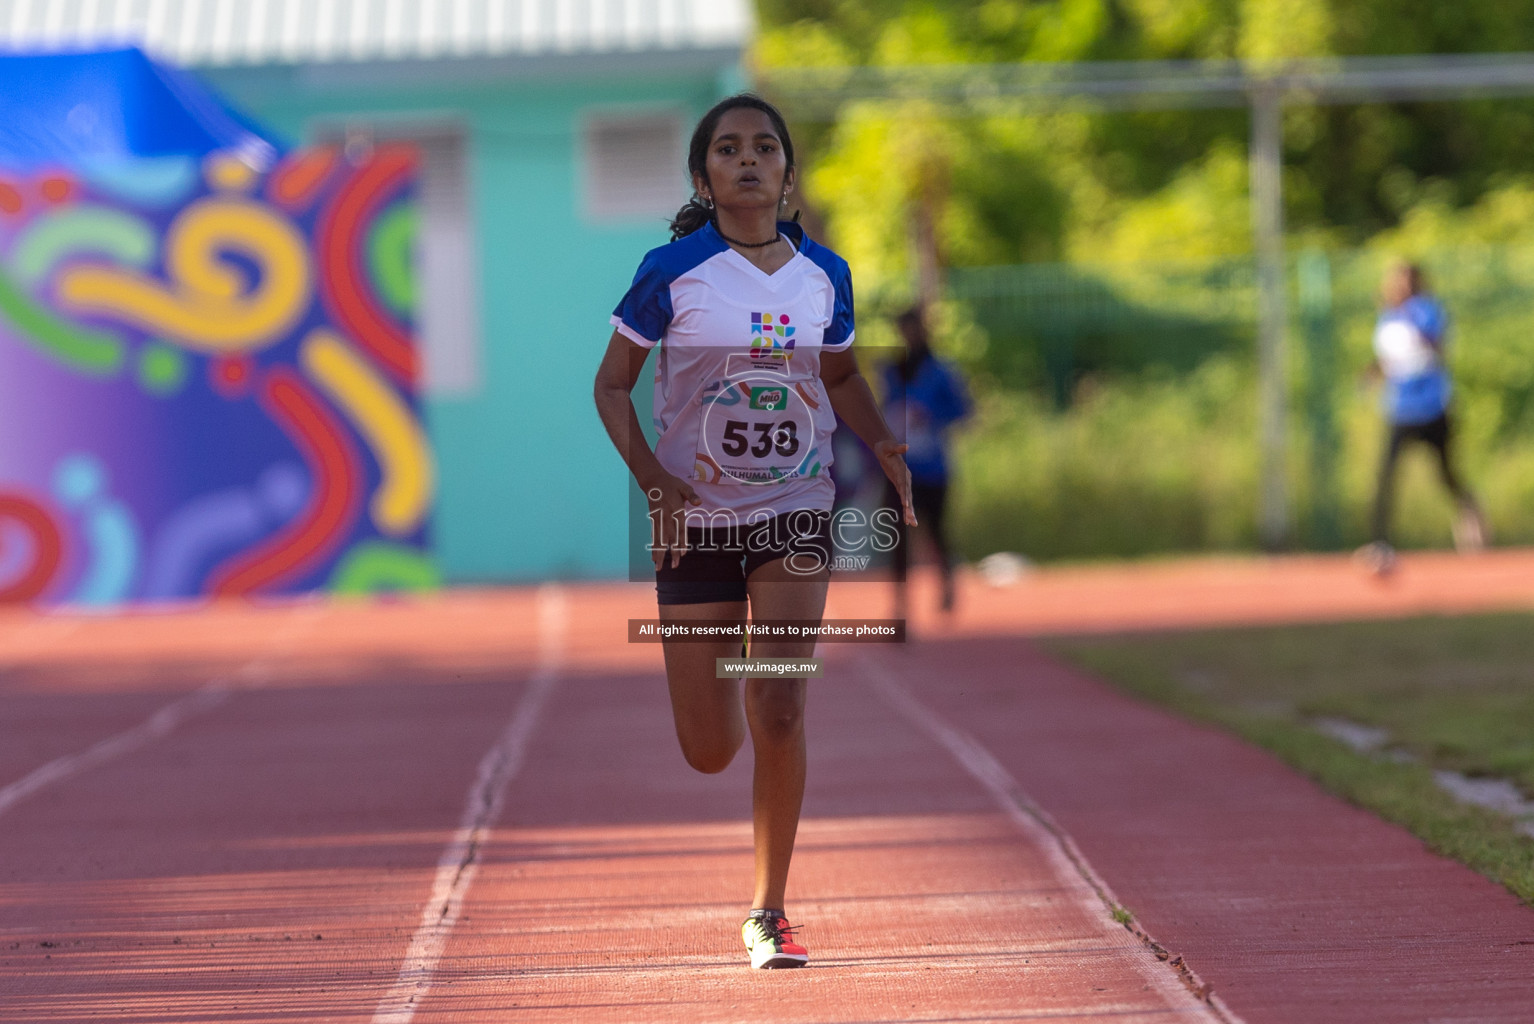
column 690, row 218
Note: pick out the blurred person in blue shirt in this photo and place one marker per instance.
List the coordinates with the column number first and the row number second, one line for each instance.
column 926, row 396
column 1409, row 340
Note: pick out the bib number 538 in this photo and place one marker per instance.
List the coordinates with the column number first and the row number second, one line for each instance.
column 780, row 437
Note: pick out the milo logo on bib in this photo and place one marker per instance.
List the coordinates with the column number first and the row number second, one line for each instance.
column 769, row 399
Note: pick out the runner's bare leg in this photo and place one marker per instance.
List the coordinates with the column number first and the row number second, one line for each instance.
column 775, row 713
column 707, row 710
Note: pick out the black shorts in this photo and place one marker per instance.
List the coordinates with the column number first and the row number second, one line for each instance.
column 719, row 559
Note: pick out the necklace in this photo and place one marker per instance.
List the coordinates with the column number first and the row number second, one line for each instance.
column 749, row 245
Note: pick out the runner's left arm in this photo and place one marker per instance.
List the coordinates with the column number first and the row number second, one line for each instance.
column 854, row 402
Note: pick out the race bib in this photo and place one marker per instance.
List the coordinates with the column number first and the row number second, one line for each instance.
column 757, row 427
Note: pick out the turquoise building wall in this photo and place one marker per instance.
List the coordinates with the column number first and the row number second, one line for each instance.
column 530, row 486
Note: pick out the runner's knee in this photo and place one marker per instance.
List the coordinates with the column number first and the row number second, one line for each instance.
column 709, row 735
column 710, row 755
column 777, row 712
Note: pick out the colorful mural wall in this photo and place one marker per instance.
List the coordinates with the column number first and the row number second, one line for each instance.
column 208, row 380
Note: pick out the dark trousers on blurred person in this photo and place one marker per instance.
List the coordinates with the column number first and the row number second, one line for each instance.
column 1436, row 434
column 928, row 501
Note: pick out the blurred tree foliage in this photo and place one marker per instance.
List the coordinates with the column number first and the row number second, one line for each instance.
column 1116, row 381
column 1139, row 186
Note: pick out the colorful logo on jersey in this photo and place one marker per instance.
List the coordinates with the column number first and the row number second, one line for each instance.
column 770, row 399
column 772, row 338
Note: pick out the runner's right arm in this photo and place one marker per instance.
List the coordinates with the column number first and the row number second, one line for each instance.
column 620, row 369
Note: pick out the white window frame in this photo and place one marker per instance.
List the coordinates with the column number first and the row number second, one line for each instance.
column 662, row 186
column 447, row 313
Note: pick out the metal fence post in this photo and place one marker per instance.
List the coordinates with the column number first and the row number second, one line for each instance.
column 1268, row 226
column 1318, row 325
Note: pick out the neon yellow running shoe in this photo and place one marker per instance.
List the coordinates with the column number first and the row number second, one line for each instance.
column 768, row 937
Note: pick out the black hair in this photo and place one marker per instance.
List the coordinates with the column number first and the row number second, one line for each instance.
column 1412, row 271
column 694, row 214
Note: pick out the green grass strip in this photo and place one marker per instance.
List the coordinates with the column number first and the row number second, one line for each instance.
column 1262, row 684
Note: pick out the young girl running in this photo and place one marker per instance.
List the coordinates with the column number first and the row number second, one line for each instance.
column 754, row 324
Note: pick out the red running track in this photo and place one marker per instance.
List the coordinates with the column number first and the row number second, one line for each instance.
column 285, row 813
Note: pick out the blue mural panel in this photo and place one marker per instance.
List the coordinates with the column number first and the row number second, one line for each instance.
column 208, row 377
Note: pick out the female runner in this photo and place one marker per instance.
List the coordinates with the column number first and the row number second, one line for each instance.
column 754, row 324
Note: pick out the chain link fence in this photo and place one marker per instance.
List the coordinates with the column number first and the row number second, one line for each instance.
column 1119, row 404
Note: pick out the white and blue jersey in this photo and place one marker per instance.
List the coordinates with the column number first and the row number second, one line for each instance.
column 739, row 404
column 1408, row 343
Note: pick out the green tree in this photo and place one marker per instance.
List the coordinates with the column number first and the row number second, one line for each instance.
column 1076, row 185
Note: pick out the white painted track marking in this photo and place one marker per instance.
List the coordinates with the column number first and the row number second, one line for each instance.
column 460, row 859
column 165, row 720
column 1069, row 865
column 159, row 724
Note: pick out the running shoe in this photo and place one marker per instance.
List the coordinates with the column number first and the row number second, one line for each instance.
column 1378, row 557
column 1469, row 530
column 768, row 937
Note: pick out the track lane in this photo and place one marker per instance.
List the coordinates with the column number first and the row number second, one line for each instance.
column 614, row 888
column 459, row 861
column 266, row 861
column 130, row 857
column 161, row 721
column 1292, row 904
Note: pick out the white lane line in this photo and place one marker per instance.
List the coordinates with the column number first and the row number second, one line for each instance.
column 164, row 721
column 1068, row 862
column 159, row 724
column 460, row 859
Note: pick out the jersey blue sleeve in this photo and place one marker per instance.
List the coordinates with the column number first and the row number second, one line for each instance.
column 645, row 310
column 1428, row 316
column 839, row 334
